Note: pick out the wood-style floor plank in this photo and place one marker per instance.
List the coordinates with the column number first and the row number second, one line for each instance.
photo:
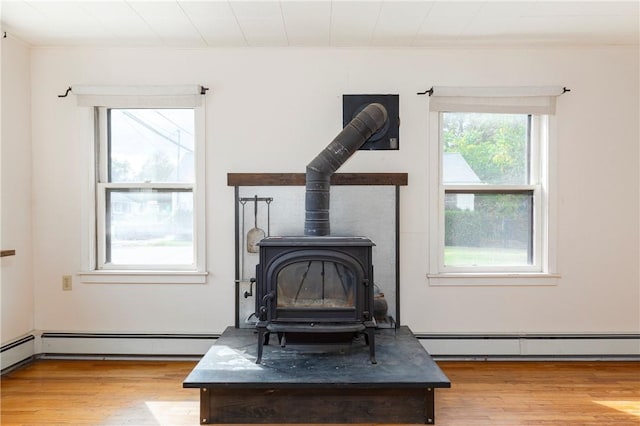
column 540, row 393
column 64, row 392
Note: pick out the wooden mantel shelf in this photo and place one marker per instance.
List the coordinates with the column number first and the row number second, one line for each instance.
column 5, row 253
column 298, row 179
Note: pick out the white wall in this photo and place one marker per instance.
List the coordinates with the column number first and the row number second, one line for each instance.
column 17, row 314
column 272, row 110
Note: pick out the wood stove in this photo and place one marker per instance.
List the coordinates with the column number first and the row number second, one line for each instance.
column 311, row 285
column 319, row 284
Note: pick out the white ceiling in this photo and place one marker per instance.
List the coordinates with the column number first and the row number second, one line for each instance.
column 233, row 23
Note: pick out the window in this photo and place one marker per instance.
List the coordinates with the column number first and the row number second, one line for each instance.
column 490, row 182
column 491, row 192
column 148, row 194
column 146, row 189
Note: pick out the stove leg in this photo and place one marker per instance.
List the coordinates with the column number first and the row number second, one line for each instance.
column 370, row 340
column 263, row 339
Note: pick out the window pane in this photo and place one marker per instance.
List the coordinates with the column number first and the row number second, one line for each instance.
column 149, row 227
column 488, row 229
column 151, row 145
column 483, row 148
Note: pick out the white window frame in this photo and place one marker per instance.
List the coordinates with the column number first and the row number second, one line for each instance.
column 94, row 269
column 542, row 185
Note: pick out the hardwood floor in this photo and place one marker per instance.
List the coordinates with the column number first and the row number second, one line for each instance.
column 55, row 392
column 540, row 393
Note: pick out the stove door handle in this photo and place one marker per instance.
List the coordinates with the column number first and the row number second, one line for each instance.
column 269, row 296
column 263, row 309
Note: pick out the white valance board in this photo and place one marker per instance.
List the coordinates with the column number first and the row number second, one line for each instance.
column 514, row 100
column 175, row 96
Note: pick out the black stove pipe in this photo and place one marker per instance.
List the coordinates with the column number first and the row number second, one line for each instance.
column 319, row 170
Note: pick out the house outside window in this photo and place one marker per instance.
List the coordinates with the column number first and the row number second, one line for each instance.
column 492, row 190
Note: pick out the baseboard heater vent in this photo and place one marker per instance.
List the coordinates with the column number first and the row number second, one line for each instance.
column 138, row 344
column 535, row 346
column 17, row 353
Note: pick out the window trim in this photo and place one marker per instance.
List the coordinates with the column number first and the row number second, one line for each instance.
column 543, row 272
column 93, row 200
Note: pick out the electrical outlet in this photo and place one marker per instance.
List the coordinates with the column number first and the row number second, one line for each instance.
column 67, row 283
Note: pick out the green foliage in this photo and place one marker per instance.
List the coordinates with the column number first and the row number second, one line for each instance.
column 464, row 228
column 498, row 220
column 466, row 256
column 494, row 145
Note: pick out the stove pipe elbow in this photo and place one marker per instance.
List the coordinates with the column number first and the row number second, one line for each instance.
column 320, row 169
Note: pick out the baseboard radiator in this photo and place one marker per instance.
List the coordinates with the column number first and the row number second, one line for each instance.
column 103, row 345
column 534, row 346
column 440, row 346
column 126, row 344
column 17, row 352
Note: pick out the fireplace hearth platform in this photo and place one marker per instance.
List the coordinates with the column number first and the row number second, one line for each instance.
column 317, row 383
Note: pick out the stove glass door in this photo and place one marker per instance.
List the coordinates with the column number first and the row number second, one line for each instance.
column 316, row 284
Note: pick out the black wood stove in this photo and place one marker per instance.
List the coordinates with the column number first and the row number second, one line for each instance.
column 315, row 286
column 318, row 286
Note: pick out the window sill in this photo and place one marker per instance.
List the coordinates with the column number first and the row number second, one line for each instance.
column 493, row 279
column 143, row 277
